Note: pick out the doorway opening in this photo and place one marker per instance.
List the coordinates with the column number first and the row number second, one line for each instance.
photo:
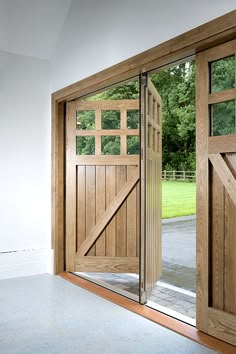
column 108, row 149
column 175, row 292
column 212, row 43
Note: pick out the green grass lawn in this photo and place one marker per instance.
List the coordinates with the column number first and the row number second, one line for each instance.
column 178, row 199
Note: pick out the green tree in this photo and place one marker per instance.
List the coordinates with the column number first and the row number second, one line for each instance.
column 111, row 119
column 176, row 87
column 223, row 114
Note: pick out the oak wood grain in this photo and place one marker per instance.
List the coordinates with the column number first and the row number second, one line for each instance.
column 107, row 216
column 224, row 174
column 202, row 202
column 106, row 264
column 100, row 207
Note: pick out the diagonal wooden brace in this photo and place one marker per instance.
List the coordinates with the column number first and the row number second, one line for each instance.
column 224, row 174
column 107, row 216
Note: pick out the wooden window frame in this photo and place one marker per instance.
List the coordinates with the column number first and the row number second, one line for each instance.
column 217, row 31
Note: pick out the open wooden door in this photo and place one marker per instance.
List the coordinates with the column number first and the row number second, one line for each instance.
column 150, row 179
column 102, row 186
column 216, row 191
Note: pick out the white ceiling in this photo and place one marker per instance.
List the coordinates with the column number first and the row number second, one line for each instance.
column 31, row 27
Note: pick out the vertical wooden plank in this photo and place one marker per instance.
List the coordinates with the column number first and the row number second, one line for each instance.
column 123, row 145
column 58, row 183
column 229, row 256
column 98, row 145
column 150, row 233
column 110, row 194
column 159, row 203
column 138, row 219
column 81, row 210
column 217, row 240
column 131, row 216
column 90, row 205
column 121, row 215
column 150, row 191
column 153, row 192
column 98, row 118
column 70, row 187
column 202, row 133
column 150, row 102
column 149, row 229
column 156, row 217
column 230, row 246
column 143, row 142
column 123, row 138
column 155, row 112
column 100, row 207
column 98, row 125
column 154, row 220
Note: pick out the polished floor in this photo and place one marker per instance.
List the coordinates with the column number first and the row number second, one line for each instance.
column 46, row 314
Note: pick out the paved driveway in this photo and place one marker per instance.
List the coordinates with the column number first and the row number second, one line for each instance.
column 179, row 240
column 179, row 252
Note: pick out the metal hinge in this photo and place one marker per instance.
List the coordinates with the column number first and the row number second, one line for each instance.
column 144, row 79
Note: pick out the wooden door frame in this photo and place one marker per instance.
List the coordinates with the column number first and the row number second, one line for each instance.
column 208, row 35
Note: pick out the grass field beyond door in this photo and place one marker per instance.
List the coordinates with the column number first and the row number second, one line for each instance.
column 178, row 199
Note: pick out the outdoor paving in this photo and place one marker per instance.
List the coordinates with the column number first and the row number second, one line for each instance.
column 179, row 275
column 169, row 298
column 178, row 269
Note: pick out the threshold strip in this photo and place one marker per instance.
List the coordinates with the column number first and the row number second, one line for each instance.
column 107, row 286
column 169, row 312
column 179, row 327
column 177, row 289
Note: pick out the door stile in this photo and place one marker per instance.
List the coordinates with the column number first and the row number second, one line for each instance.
column 70, row 187
column 202, row 177
column 150, row 172
column 143, row 158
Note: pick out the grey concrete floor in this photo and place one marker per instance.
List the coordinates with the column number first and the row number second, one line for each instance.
column 45, row 314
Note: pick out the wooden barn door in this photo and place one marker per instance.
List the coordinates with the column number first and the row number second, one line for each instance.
column 102, row 186
column 151, row 174
column 216, row 191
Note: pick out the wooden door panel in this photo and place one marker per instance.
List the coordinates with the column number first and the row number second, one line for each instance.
column 121, row 217
column 217, row 226
column 216, row 200
column 81, row 205
column 110, row 195
column 101, row 195
column 106, row 219
column 90, row 204
column 151, row 172
column 107, row 264
column 100, row 207
column 222, row 233
column 230, row 244
column 132, row 216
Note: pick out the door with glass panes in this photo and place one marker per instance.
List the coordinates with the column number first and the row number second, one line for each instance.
column 150, row 181
column 216, row 191
column 102, row 186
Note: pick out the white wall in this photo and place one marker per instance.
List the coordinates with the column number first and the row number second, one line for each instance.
column 24, row 153
column 98, row 34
